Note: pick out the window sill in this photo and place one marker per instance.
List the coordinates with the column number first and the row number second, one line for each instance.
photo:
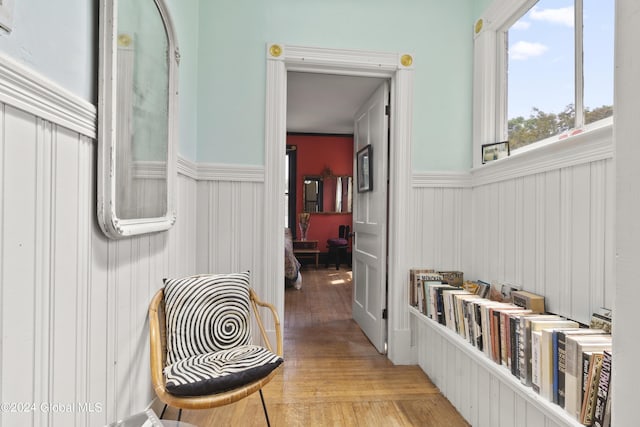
column 593, row 144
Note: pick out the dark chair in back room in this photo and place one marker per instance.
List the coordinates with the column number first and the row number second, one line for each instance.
column 338, row 246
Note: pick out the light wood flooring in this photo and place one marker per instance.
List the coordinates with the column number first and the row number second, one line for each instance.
column 332, row 375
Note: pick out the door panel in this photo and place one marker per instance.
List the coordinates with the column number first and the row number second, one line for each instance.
column 370, row 220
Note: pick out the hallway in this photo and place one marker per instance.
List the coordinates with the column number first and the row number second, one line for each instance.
column 332, row 375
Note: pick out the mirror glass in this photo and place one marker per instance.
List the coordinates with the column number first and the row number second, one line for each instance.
column 137, row 117
column 327, row 194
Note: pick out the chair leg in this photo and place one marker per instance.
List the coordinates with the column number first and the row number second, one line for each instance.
column 266, row 415
column 179, row 414
column 163, row 410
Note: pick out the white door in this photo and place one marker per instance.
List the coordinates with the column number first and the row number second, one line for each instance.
column 370, row 217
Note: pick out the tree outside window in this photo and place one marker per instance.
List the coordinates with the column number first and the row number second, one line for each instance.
column 549, row 92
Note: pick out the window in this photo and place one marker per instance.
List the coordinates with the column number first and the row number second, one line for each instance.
column 549, row 93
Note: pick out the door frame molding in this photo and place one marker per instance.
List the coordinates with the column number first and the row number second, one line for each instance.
column 399, row 68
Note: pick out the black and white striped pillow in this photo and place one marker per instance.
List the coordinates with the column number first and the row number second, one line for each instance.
column 220, row 371
column 206, row 314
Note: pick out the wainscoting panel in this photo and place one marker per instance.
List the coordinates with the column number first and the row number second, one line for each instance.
column 73, row 304
column 550, row 233
column 230, row 229
column 441, row 238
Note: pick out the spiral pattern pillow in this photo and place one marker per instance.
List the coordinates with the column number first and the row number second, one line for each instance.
column 206, row 314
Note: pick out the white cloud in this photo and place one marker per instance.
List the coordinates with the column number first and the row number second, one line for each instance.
column 521, row 25
column 522, row 51
column 562, row 16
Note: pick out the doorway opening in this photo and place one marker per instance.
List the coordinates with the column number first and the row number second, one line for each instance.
column 398, row 68
column 319, row 105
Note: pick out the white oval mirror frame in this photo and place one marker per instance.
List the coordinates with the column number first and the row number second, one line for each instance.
column 136, row 164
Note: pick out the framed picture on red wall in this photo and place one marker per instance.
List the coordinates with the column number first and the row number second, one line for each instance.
column 364, row 165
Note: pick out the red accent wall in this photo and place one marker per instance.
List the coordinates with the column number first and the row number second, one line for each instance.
column 314, row 154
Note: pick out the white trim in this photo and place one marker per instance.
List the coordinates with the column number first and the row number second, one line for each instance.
column 220, row 172
column 146, row 169
column 224, row 172
column 587, row 147
column 187, row 168
column 35, row 94
column 444, row 179
column 280, row 59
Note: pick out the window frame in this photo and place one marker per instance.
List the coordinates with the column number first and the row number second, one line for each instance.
column 490, row 114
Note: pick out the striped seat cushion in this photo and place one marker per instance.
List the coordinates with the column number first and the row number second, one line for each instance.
column 206, row 314
column 219, row 371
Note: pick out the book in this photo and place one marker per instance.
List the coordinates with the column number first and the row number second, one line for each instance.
column 535, row 360
column 462, row 321
column 546, row 359
column 486, row 319
column 414, row 285
column 593, row 368
column 484, row 289
column 495, row 332
column 435, row 312
column 603, row 390
column 427, row 280
column 513, row 340
column 575, row 345
column 524, row 352
column 529, row 300
column 505, row 334
column 599, row 321
column 480, row 330
column 449, row 307
column 453, row 278
column 560, row 343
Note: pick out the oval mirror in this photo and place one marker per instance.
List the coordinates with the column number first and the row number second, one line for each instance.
column 137, row 117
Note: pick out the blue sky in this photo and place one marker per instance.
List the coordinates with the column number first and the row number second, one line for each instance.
column 541, row 57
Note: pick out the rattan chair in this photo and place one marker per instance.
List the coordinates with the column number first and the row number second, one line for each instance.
column 158, row 346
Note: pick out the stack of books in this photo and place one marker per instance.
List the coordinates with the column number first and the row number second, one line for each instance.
column 565, row 362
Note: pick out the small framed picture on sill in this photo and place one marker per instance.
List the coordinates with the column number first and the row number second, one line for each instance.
column 495, row 151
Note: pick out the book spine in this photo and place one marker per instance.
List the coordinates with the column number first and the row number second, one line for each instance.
column 562, row 367
column 571, row 382
column 535, row 360
column 585, row 362
column 603, row 391
column 546, row 365
column 554, row 349
column 503, row 339
column 525, row 352
column 478, row 326
column 495, row 336
column 591, row 391
column 440, row 304
column 514, row 328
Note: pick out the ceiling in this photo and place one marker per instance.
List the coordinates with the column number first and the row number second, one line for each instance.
column 325, row 103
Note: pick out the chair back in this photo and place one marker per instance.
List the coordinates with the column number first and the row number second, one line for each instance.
column 343, row 232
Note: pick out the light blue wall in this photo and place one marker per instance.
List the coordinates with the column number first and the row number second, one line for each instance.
column 479, row 6
column 184, row 14
column 222, row 71
column 234, row 33
column 58, row 40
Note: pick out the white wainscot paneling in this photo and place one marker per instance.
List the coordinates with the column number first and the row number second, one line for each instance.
column 551, row 233
column 73, row 304
column 440, row 227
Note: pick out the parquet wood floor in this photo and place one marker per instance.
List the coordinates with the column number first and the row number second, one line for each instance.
column 332, row 375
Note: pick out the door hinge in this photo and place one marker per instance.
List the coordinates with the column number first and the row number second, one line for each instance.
column 384, row 313
column 387, row 110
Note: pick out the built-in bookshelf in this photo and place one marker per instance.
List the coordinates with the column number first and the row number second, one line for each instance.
column 485, row 393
